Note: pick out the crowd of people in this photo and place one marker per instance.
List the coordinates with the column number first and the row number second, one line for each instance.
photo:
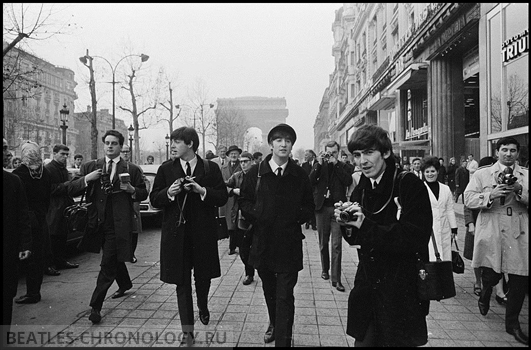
column 385, row 206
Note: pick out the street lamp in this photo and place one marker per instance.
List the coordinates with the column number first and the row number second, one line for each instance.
column 167, row 145
column 143, row 58
column 131, row 132
column 64, row 118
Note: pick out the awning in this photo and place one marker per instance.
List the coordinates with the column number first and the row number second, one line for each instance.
column 413, row 77
column 382, row 102
column 416, row 144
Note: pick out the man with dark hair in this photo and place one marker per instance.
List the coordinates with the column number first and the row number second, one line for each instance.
column 329, row 179
column 384, row 308
column 257, row 156
column 471, row 164
column 227, row 170
column 78, row 159
column 309, row 161
column 276, row 197
column 60, row 199
column 189, row 190
column 344, row 159
column 501, row 242
column 462, row 177
column 415, row 168
column 111, row 215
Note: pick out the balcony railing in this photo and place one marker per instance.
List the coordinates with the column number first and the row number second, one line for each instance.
column 381, row 69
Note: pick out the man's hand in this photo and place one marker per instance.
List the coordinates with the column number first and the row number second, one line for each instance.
column 93, row 176
column 127, row 187
column 175, row 187
column 193, row 186
column 354, row 209
column 24, row 254
column 471, row 228
column 236, row 191
column 500, row 191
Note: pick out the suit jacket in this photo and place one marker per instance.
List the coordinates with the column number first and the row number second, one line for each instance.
column 322, row 181
column 17, row 230
column 59, row 200
column 308, row 167
column 122, row 206
column 197, row 239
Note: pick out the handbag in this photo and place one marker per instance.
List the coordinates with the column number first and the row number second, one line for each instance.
column 458, row 264
column 435, row 279
column 242, row 223
column 76, row 216
column 222, row 229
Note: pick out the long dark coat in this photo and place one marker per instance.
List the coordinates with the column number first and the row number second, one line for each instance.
column 335, row 181
column 59, row 200
column 385, row 284
column 277, row 213
column 235, row 181
column 38, row 196
column 227, row 171
column 122, row 206
column 200, row 224
column 17, row 230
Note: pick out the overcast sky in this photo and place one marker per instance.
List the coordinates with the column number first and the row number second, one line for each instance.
column 268, row 50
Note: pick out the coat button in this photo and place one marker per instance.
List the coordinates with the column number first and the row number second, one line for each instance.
column 371, row 258
column 377, row 281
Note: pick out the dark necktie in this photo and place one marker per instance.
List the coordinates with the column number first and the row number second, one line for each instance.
column 374, row 185
column 188, row 169
column 109, row 167
column 279, row 171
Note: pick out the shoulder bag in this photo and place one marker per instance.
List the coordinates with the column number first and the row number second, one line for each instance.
column 76, row 215
column 457, row 262
column 435, row 279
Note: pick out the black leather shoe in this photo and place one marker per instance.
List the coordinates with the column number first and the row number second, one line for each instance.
column 519, row 335
column 232, row 252
column 187, row 339
column 248, row 280
column 483, row 308
column 204, row 316
column 501, row 301
column 269, row 334
column 51, row 271
column 67, row 265
column 28, row 299
column 95, row 316
column 484, row 300
column 325, row 276
column 119, row 293
column 340, row 287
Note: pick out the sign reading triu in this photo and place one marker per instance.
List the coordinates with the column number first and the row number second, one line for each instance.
column 515, row 46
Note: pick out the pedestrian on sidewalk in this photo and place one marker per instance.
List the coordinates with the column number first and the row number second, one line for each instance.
column 383, row 307
column 231, row 167
column 243, row 236
column 330, row 179
column 111, row 216
column 462, row 177
column 450, row 175
column 309, row 162
column 277, row 208
column 501, row 242
column 189, row 190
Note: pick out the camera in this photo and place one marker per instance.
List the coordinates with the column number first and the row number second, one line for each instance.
column 106, row 185
column 346, row 216
column 327, row 156
column 506, row 179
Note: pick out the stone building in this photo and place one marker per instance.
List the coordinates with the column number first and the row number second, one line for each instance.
column 414, row 69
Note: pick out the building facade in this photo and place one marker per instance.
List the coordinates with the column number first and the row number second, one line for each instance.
column 34, row 91
column 414, row 69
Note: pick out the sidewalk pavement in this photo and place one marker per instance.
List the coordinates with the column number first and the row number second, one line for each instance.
column 147, row 316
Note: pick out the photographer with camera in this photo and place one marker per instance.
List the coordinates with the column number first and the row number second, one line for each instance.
column 384, row 308
column 112, row 186
column 501, row 242
column 329, row 179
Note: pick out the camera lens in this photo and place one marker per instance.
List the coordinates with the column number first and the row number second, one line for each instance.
column 345, row 216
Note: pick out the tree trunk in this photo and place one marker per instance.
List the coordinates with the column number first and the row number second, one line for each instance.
column 94, row 120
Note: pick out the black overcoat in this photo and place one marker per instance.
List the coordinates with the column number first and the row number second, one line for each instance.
column 59, row 200
column 385, row 283
column 17, row 230
column 277, row 213
column 200, row 226
column 122, row 206
column 335, row 181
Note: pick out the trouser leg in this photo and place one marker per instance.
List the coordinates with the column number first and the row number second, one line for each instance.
column 232, row 240
column 202, row 287
column 323, row 229
column 185, row 302
column 122, row 277
column 245, row 249
column 336, row 247
column 285, row 308
column 518, row 285
column 269, row 285
column 108, row 270
column 489, row 278
column 134, row 236
column 34, row 274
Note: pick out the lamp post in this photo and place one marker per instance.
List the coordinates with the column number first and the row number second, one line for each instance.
column 131, row 132
column 143, row 58
column 64, row 118
column 167, row 145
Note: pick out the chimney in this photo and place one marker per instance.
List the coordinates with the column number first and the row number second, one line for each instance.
column 88, row 109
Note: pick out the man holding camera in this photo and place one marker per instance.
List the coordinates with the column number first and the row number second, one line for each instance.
column 501, row 243
column 329, row 179
column 384, row 308
column 189, row 190
column 111, row 192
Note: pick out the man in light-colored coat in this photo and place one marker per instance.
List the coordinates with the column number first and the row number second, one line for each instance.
column 501, row 243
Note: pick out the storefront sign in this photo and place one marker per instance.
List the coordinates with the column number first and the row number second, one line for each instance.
column 515, row 46
column 470, row 65
column 416, row 132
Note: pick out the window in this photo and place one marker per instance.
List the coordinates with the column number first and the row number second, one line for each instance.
column 352, row 58
column 352, row 90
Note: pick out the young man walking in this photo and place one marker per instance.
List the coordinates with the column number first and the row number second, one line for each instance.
column 277, row 206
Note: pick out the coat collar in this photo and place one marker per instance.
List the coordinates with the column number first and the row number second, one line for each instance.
column 497, row 168
column 264, row 168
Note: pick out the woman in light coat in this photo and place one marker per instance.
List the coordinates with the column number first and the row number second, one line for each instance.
column 442, row 206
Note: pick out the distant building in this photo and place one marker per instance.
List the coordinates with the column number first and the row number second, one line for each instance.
column 104, row 123
column 34, row 91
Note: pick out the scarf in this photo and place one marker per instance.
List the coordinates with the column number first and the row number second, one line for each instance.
column 31, row 157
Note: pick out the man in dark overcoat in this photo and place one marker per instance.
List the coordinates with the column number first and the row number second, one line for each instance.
column 277, row 208
column 111, row 215
column 59, row 200
column 227, row 170
column 16, row 240
column 309, row 162
column 383, row 307
column 189, row 190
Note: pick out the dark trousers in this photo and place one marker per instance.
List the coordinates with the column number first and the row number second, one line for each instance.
column 245, row 249
column 185, row 302
column 329, row 229
column 278, row 293
column 7, row 309
column 517, row 285
column 233, row 240
column 34, row 266
column 111, row 269
column 58, row 243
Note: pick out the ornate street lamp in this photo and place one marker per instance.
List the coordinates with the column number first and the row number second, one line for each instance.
column 131, row 132
column 167, row 145
column 64, row 119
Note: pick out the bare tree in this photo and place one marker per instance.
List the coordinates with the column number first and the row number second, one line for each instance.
column 204, row 118
column 231, row 125
column 169, row 106
column 19, row 76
